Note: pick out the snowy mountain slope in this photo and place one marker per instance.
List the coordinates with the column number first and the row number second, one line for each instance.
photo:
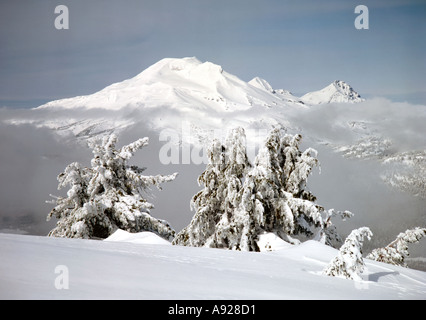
column 175, row 90
column 285, row 95
column 337, row 91
column 261, row 84
column 182, row 83
column 117, row 270
column 166, row 94
column 173, row 93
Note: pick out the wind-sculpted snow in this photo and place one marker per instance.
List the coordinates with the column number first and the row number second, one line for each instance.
column 118, row 270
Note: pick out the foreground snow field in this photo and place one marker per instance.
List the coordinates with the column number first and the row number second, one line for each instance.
column 118, row 269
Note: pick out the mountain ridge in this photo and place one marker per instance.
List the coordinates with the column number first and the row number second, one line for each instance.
column 337, row 91
column 189, row 80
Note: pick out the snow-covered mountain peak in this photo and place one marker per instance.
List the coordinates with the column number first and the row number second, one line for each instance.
column 337, row 91
column 174, row 90
column 347, row 90
column 261, row 84
column 184, row 84
column 189, row 84
column 341, row 84
column 189, row 68
column 171, row 82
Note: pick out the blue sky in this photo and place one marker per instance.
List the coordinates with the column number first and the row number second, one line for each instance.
column 300, row 46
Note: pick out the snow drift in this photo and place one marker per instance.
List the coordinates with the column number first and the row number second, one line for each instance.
column 119, row 270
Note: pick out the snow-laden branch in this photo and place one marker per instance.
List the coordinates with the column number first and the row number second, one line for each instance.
column 396, row 251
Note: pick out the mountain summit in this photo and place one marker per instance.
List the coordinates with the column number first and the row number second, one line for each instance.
column 188, row 83
column 173, row 91
column 337, row 91
column 183, row 83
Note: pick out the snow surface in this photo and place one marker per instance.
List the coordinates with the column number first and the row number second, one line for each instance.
column 271, row 242
column 145, row 237
column 120, row 270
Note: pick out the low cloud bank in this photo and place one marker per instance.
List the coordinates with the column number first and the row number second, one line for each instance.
column 31, row 156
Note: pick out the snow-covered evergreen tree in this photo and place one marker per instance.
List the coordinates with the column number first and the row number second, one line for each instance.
column 396, row 251
column 208, row 203
column 216, row 203
column 349, row 262
column 274, row 198
column 108, row 195
column 240, row 202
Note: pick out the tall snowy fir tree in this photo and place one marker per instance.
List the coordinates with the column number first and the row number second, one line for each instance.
column 240, row 202
column 274, row 198
column 396, row 251
column 236, row 166
column 222, row 180
column 108, row 195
